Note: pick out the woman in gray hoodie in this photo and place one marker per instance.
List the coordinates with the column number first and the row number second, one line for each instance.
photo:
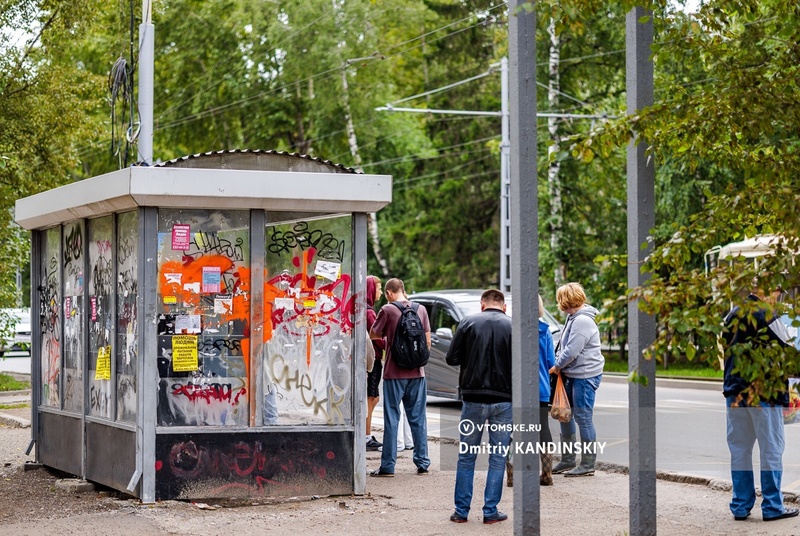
column 579, row 360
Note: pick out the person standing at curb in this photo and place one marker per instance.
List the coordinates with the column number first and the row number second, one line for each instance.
column 481, row 346
column 401, row 384
column 378, row 345
column 547, row 358
column 746, row 423
column 581, row 363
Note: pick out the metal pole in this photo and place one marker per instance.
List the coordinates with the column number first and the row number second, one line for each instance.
column 359, row 277
column 390, row 108
column 505, row 182
column 641, row 328
column 146, row 77
column 524, row 261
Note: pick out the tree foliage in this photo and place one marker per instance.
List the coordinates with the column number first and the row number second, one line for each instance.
column 730, row 120
column 46, row 103
column 232, row 74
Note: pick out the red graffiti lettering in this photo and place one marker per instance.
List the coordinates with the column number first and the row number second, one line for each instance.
column 209, row 392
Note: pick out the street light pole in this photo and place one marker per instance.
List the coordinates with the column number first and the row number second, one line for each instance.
column 146, row 78
column 505, row 182
column 505, row 152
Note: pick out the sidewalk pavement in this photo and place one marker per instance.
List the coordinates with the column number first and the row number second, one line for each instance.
column 421, row 505
column 15, row 417
column 414, row 505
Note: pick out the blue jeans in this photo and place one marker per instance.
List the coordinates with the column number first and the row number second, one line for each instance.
column 413, row 394
column 581, row 395
column 746, row 425
column 499, row 413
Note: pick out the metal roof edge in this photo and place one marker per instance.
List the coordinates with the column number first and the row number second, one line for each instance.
column 316, row 159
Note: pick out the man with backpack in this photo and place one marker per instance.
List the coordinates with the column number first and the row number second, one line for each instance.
column 406, row 329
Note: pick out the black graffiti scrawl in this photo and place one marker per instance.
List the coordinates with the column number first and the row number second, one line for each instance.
column 257, row 464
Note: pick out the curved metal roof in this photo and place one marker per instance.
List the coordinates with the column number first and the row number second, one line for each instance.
column 240, row 179
column 263, row 160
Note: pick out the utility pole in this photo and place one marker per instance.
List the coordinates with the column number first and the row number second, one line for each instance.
column 505, row 152
column 524, row 262
column 146, row 78
column 505, row 182
column 641, row 327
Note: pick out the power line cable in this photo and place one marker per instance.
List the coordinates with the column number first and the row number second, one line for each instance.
column 463, row 177
column 237, row 53
column 403, row 158
column 450, row 170
column 423, row 36
column 318, row 76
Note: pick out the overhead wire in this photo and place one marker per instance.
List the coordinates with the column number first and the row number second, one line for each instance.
column 406, row 157
column 405, row 182
column 215, row 84
column 449, row 170
column 461, row 178
column 216, row 110
column 317, row 76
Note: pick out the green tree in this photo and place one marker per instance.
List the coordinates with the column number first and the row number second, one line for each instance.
column 731, row 118
column 46, row 104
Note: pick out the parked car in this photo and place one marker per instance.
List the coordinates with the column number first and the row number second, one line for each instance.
column 20, row 339
column 446, row 308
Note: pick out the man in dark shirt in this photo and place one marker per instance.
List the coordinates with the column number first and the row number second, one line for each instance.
column 401, row 385
column 747, row 424
column 482, row 348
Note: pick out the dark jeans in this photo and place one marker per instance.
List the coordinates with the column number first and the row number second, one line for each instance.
column 545, row 436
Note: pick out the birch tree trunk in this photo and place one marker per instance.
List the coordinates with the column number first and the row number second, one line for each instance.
column 554, row 168
column 372, row 221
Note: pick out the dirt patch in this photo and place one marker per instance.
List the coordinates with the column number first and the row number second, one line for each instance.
column 29, row 496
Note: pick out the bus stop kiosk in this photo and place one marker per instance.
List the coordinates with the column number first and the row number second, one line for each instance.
column 201, row 326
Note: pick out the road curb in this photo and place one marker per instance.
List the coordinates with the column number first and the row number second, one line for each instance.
column 22, row 392
column 677, row 383
column 13, row 421
column 716, row 484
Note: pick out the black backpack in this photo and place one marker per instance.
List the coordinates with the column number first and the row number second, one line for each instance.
column 410, row 346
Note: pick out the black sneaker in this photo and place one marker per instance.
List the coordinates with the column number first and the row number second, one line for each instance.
column 421, row 471
column 497, row 518
column 381, row 474
column 455, row 518
column 788, row 512
column 374, row 444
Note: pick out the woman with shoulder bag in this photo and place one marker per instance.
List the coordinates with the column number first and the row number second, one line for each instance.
column 547, row 358
column 580, row 362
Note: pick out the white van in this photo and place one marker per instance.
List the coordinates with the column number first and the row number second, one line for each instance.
column 749, row 250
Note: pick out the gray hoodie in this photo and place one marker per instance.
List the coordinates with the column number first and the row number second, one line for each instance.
column 578, row 354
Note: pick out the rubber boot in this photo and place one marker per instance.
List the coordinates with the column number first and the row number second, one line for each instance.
column 546, row 478
column 567, row 459
column 509, row 474
column 586, row 467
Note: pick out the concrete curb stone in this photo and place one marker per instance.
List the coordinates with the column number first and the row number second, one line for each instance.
column 13, row 421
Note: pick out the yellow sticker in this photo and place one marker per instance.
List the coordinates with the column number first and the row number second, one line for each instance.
column 184, row 353
column 103, row 369
column 170, row 300
column 309, row 304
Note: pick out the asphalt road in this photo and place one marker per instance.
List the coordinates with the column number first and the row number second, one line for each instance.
column 690, row 427
column 690, row 430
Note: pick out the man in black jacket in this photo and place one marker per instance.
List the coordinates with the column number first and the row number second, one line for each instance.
column 482, row 347
column 746, row 424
